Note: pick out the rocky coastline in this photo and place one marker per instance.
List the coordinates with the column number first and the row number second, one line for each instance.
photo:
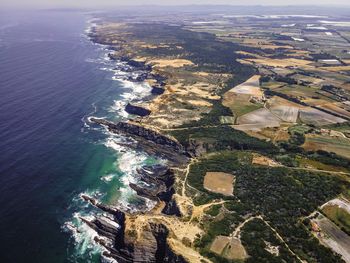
column 113, row 228
column 121, row 240
column 149, row 140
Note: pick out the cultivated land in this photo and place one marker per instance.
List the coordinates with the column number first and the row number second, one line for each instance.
column 260, row 106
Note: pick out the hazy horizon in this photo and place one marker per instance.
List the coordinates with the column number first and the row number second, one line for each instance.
column 111, row 3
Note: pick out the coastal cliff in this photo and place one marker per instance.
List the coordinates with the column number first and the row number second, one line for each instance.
column 127, row 242
column 149, row 140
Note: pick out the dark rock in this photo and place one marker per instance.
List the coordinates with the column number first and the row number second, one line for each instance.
column 149, row 141
column 171, row 208
column 163, row 252
column 103, row 227
column 157, row 91
column 137, row 110
column 157, row 174
column 111, row 210
column 150, row 193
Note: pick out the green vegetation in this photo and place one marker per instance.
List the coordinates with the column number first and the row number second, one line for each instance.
column 342, row 127
column 281, row 195
column 257, row 236
column 214, row 210
column 339, row 216
column 222, row 137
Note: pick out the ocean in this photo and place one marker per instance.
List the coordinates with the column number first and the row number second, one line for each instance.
column 52, row 79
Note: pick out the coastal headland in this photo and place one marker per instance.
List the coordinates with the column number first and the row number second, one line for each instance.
column 215, row 115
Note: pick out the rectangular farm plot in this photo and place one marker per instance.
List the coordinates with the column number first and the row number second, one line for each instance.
column 260, row 117
column 251, row 87
column 338, row 210
column 331, row 236
column 317, row 117
column 229, row 248
column 340, row 146
column 286, row 113
column 218, row 182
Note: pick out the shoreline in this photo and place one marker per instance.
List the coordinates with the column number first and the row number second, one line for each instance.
column 155, row 188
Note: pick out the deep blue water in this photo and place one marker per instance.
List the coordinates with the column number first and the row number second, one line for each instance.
column 47, row 85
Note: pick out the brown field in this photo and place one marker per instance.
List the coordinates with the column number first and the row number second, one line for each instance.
column 276, row 101
column 248, row 128
column 286, row 113
column 219, row 243
column 239, row 103
column 317, row 117
column 336, row 109
column 331, row 236
column 338, row 145
column 238, row 99
column 260, row 117
column 274, row 134
column 337, row 69
column 228, row 247
column 251, row 87
column 313, row 80
column 218, row 182
column 290, row 62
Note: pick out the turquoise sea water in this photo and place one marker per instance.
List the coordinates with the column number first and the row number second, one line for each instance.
column 52, row 78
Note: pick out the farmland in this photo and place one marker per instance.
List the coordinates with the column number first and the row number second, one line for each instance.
column 260, row 106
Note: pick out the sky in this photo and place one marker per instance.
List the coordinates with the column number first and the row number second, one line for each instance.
column 100, row 3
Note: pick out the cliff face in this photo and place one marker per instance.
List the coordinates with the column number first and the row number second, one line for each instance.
column 150, row 141
column 147, row 245
column 137, row 110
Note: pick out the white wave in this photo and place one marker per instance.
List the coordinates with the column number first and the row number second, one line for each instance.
column 105, row 259
column 83, row 235
column 119, row 107
column 108, row 177
column 138, row 90
column 128, row 162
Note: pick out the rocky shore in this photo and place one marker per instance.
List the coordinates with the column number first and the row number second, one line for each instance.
column 121, row 239
column 141, row 237
column 149, row 140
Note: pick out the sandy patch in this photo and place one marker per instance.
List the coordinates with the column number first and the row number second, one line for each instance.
column 175, row 63
column 263, row 160
column 218, row 182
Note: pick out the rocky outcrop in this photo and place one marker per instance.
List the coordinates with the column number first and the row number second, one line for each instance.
column 158, row 174
column 137, row 110
column 171, row 208
column 125, row 246
column 120, row 216
column 156, row 183
column 157, row 90
column 163, row 252
column 148, row 140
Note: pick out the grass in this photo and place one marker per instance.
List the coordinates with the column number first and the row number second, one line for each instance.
column 339, row 216
column 340, row 146
column 222, row 138
column 305, row 162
